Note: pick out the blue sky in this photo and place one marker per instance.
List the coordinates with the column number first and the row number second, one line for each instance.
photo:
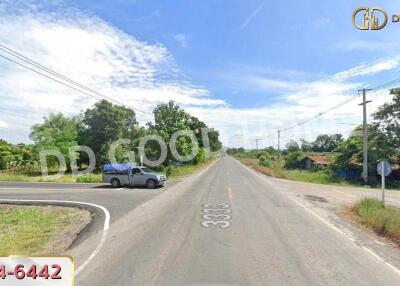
column 225, row 39
column 245, row 67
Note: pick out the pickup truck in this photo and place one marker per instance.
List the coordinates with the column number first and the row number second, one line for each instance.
column 132, row 175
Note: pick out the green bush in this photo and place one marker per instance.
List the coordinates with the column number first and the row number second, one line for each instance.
column 89, row 178
column 200, row 157
column 263, row 161
column 383, row 220
column 293, row 159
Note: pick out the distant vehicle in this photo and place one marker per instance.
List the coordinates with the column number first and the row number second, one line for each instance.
column 132, row 175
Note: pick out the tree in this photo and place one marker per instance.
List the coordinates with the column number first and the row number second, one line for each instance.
column 388, row 118
column 105, row 123
column 170, row 118
column 293, row 159
column 350, row 151
column 292, row 146
column 305, row 146
column 57, row 132
column 327, row 143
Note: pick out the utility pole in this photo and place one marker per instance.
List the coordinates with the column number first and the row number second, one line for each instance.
column 257, row 139
column 365, row 134
column 279, row 140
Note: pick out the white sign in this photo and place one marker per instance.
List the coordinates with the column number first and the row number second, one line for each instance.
column 387, row 168
column 36, row 271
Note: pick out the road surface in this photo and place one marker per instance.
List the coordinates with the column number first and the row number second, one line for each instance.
column 271, row 239
column 118, row 202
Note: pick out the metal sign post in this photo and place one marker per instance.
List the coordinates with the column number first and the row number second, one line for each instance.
column 383, row 183
column 384, row 169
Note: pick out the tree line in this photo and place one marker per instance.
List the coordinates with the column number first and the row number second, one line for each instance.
column 101, row 125
column 383, row 144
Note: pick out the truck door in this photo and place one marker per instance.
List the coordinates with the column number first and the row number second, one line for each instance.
column 138, row 178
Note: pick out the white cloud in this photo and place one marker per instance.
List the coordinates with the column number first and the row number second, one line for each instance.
column 3, row 125
column 252, row 15
column 368, row 69
column 181, row 40
column 299, row 101
column 142, row 75
column 90, row 51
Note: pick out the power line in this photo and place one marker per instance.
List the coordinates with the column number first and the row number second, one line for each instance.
column 70, row 83
column 302, row 122
column 387, row 84
column 375, row 89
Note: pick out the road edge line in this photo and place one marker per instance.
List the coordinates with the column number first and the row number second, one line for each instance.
column 106, row 225
column 366, row 249
column 206, row 169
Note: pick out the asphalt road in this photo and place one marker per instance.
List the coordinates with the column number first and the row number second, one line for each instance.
column 270, row 239
column 118, row 202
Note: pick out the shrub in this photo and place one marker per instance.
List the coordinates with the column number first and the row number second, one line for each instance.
column 89, row 178
column 293, row 159
column 383, row 220
column 200, row 157
column 263, row 161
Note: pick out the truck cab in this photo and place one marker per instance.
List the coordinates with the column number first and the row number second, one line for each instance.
column 132, row 175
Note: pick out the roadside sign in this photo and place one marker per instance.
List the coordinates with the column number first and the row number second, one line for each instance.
column 384, row 168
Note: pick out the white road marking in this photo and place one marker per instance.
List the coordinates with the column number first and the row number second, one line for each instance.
column 106, row 225
column 230, row 195
column 94, row 253
column 370, row 251
column 49, row 190
column 202, row 172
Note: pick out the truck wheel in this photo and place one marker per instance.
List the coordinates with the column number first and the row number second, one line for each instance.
column 151, row 184
column 115, row 183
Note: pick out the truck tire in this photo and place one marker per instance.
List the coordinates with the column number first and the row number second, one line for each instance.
column 115, row 183
column 150, row 184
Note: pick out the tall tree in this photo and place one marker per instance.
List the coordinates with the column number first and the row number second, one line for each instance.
column 327, row 143
column 105, row 123
column 351, row 150
column 292, row 146
column 388, row 118
column 168, row 119
column 305, row 146
column 57, row 132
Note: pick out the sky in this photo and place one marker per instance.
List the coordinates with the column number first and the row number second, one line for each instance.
column 247, row 68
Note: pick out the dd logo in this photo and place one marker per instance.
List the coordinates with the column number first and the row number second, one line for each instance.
column 375, row 18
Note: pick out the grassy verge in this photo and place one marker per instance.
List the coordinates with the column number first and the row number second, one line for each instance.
column 67, row 178
column 27, row 230
column 173, row 172
column 384, row 221
column 186, row 170
column 277, row 171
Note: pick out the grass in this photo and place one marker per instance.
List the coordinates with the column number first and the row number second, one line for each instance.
column 67, row 178
column 25, row 230
column 384, row 221
column 173, row 172
column 185, row 170
column 276, row 170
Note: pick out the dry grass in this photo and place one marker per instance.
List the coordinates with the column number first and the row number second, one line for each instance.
column 383, row 220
